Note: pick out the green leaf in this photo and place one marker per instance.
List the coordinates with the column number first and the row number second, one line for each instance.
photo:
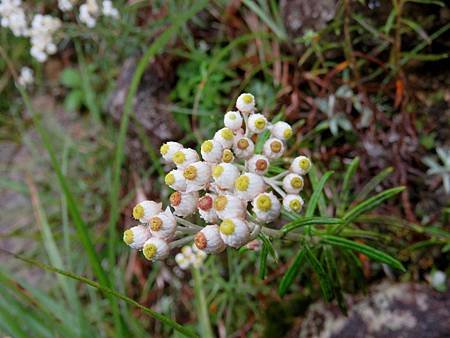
column 343, row 197
column 71, row 78
column 73, row 100
column 291, row 272
column 364, row 249
column 263, row 261
column 373, row 183
column 371, row 203
column 162, row 318
column 324, row 280
column 312, row 204
column 304, row 221
column 331, row 267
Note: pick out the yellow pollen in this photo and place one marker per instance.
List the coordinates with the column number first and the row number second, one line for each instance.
column 179, row 157
column 190, row 173
column 128, row 237
column 276, row 146
column 156, row 223
column 232, row 117
column 260, row 123
column 220, row 203
column 297, row 182
column 304, row 164
column 264, row 203
column 242, row 144
column 217, row 171
column 169, row 179
column 227, row 134
column 138, row 211
column 164, row 149
column 227, row 156
column 207, row 146
column 287, row 133
column 295, row 205
column 149, row 251
column 242, row 183
column 227, row 227
column 247, row 98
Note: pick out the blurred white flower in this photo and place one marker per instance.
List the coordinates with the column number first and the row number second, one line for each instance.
column 89, row 12
column 65, row 5
column 190, row 256
column 43, row 27
column 13, row 17
column 109, row 10
column 26, row 77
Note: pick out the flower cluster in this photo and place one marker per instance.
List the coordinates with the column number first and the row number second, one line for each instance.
column 190, row 256
column 229, row 184
column 26, row 77
column 41, row 29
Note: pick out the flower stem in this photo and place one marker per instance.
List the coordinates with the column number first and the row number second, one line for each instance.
column 203, row 316
column 180, row 242
column 188, row 224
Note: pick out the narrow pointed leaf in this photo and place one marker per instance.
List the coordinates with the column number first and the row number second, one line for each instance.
column 291, row 272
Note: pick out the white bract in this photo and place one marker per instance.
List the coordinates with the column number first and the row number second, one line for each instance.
column 234, row 172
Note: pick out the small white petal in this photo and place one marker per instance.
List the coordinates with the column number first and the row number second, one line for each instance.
column 266, row 207
column 155, row 249
column 136, row 236
column 257, row 123
column 273, row 148
column 293, row 203
column 209, row 240
column 224, row 175
column 243, row 147
column 234, row 232
column 281, row 130
column 301, row 165
column 184, row 204
column 245, row 103
column 145, row 210
column 293, row 183
column 168, row 149
column 230, row 206
column 233, row 120
column 248, row 186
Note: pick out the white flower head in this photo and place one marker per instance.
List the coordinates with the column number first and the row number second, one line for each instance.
column 108, row 9
column 145, row 210
column 258, row 164
column 184, row 157
column 206, row 208
column 65, row 5
column 197, row 175
column 273, row 148
column 136, row 236
column 243, row 147
column 266, row 207
column 234, row 232
column 245, row 103
column 26, row 77
column 257, row 123
column 43, row 27
column 175, row 179
column 224, row 175
column 233, row 120
column 293, row 203
column 168, row 149
column 301, row 165
column 281, row 130
column 209, row 240
column 248, row 186
column 293, row 183
column 184, row 204
column 155, row 249
column 225, row 137
column 163, row 225
column 212, row 151
column 230, row 206
column 182, row 261
column 12, row 16
column 227, row 156
column 89, row 12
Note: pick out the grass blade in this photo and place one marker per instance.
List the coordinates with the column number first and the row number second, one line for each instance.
column 324, row 280
column 301, row 222
column 364, row 249
column 372, row 184
column 291, row 272
column 203, row 313
column 107, row 290
column 312, row 204
column 344, row 195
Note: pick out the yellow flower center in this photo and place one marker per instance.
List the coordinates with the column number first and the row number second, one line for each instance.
column 227, row 134
column 220, row 203
column 156, row 223
column 242, row 183
column 169, row 179
column 295, row 205
column 247, row 98
column 287, row 133
column 276, row 146
column 164, row 149
column 179, row 157
column 217, row 171
column 207, row 146
column 227, row 227
column 260, row 123
column 128, row 237
column 190, row 173
column 138, row 211
column 227, row 156
column 232, row 117
column 264, row 203
column 243, row 144
column 304, row 164
column 297, row 182
column 149, row 251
